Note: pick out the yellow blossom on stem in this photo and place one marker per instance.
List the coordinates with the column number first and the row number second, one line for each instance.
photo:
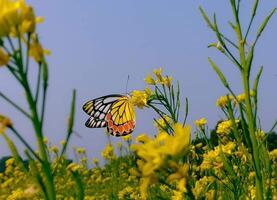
column 4, row 123
column 200, row 123
column 148, row 91
column 80, row 150
column 16, row 14
column 212, row 158
column 108, row 152
column 241, row 97
column 178, row 194
column 225, row 127
column 127, row 138
column 139, row 98
column 4, row 58
column 158, row 73
column 150, row 80
column 167, row 81
column 73, row 167
column 54, row 149
column 181, row 173
column 201, row 185
column 179, row 143
column 223, row 100
column 95, row 161
column 142, row 138
column 36, row 50
column 154, row 151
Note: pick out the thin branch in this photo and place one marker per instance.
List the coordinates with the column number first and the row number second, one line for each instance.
column 25, row 143
column 15, row 105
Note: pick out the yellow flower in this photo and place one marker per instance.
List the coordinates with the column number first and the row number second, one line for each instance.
column 80, row 150
column 181, row 173
column 150, row 80
column 148, row 91
column 201, row 186
column 167, row 81
column 225, row 127
column 212, row 158
column 74, row 167
column 119, row 145
column 144, row 183
column 62, row 142
column 16, row 13
column 4, row 123
column 273, row 154
column 45, row 140
column 55, row 149
column 260, row 133
column 200, row 123
column 95, row 161
column 139, row 98
column 179, row 143
column 153, row 152
column 134, row 172
column 108, row 152
column 158, row 73
column 142, row 138
column 4, row 58
column 36, row 50
column 210, row 195
column 223, row 100
column 241, row 97
column 126, row 192
column 127, row 138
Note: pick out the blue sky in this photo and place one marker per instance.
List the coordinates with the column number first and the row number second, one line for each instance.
column 96, row 44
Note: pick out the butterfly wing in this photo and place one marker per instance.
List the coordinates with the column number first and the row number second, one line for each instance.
column 121, row 118
column 98, row 109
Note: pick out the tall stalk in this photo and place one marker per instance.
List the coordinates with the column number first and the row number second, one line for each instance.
column 244, row 64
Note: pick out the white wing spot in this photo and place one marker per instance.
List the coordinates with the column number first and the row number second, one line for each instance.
column 97, row 114
column 98, row 123
column 102, row 116
column 106, row 109
column 102, row 108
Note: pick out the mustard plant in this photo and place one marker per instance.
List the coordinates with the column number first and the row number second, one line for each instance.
column 19, row 48
column 245, row 50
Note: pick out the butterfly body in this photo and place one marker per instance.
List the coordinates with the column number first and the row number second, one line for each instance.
column 115, row 112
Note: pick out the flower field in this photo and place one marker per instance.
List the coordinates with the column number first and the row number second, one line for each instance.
column 234, row 160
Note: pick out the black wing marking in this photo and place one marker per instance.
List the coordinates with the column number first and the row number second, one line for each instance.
column 94, row 123
column 98, row 109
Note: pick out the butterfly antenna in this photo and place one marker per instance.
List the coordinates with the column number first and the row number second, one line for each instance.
column 126, row 88
column 77, row 134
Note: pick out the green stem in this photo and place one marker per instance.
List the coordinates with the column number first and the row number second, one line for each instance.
column 25, row 143
column 249, row 112
column 42, row 149
column 255, row 152
column 27, row 53
column 38, row 83
column 37, row 124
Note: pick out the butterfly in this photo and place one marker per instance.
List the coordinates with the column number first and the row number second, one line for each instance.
column 115, row 112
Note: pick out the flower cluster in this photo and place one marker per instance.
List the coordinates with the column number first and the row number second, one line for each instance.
column 163, row 80
column 155, row 153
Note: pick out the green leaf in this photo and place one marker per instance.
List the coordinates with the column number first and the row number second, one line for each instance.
column 206, row 18
column 263, row 25
column 219, row 73
column 14, row 152
column 80, row 185
column 254, row 9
